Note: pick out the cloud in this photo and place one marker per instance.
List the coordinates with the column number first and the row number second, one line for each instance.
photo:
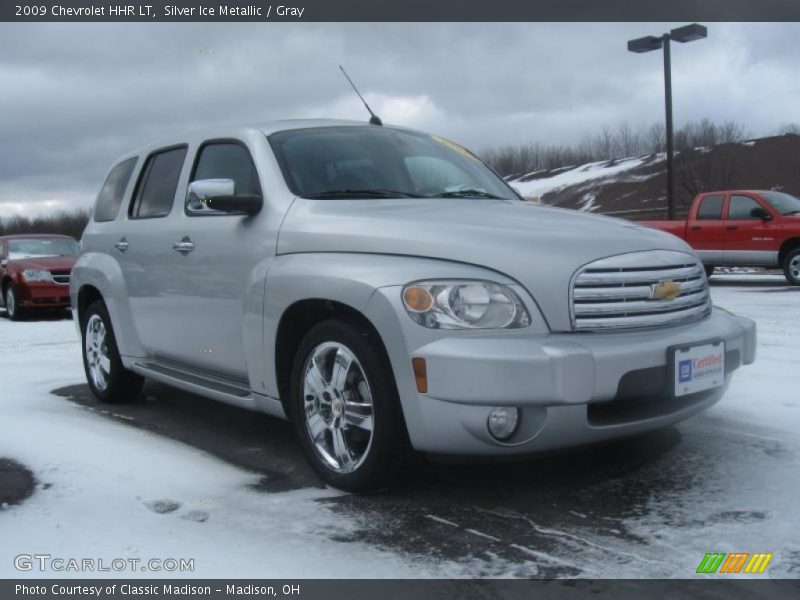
column 75, row 96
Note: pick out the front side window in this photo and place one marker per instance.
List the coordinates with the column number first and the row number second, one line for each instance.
column 225, row 160
column 156, row 190
column 38, row 247
column 784, row 203
column 110, row 198
column 710, row 208
column 741, row 208
column 381, row 162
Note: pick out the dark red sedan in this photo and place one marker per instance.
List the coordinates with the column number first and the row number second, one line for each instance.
column 34, row 272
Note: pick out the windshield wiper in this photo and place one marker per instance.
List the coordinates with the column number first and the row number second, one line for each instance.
column 376, row 193
column 467, row 194
column 792, row 212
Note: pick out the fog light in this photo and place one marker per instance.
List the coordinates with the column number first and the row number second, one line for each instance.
column 503, row 422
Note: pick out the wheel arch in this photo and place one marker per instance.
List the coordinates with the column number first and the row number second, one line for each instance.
column 95, row 276
column 87, row 295
column 297, row 320
column 787, row 246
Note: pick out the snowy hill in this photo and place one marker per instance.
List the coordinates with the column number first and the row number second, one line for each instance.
column 635, row 187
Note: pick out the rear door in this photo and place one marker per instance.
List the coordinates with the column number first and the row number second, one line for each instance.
column 748, row 238
column 706, row 232
column 143, row 249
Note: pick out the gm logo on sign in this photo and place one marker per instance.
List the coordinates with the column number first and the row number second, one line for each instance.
column 684, row 371
column 719, row 562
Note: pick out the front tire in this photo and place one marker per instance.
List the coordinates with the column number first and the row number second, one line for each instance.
column 709, row 271
column 14, row 311
column 791, row 267
column 108, row 379
column 345, row 408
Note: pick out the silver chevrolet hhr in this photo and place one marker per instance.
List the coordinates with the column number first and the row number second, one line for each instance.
column 386, row 291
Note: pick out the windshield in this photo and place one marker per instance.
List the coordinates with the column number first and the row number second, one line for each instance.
column 380, row 162
column 35, row 247
column 783, row 203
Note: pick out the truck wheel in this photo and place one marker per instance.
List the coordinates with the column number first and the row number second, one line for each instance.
column 709, row 271
column 791, row 267
column 15, row 311
column 108, row 379
column 345, row 408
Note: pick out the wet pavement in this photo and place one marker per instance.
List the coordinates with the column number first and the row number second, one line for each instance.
column 547, row 516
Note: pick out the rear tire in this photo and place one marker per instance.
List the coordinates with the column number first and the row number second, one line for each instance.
column 14, row 311
column 345, row 408
column 791, row 267
column 108, row 379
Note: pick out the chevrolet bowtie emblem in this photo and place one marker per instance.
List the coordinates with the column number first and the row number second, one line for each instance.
column 665, row 290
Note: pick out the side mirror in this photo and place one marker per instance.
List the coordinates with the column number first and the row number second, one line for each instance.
column 760, row 213
column 210, row 196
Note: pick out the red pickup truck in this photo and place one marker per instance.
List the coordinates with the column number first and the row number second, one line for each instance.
column 744, row 228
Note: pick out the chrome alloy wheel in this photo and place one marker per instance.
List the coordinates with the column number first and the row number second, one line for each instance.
column 337, row 406
column 794, row 267
column 96, row 350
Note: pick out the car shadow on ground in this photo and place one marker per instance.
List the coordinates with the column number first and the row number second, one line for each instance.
column 266, row 445
column 452, row 510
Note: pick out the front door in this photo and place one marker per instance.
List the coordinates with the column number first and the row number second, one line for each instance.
column 749, row 240
column 215, row 282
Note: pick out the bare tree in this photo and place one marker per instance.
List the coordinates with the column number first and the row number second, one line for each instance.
column 64, row 223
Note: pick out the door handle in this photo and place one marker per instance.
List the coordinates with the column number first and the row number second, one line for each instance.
column 732, row 227
column 696, row 227
column 122, row 245
column 184, row 246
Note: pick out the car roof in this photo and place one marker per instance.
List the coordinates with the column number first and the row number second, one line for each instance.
column 287, row 124
column 267, row 128
column 34, row 236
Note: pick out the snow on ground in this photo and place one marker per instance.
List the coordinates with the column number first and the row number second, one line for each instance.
column 577, row 175
column 742, row 496
column 729, row 484
column 105, row 483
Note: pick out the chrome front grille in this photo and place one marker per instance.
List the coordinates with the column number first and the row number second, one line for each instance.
column 60, row 276
column 623, row 291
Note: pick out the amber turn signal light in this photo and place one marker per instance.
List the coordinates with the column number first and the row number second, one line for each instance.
column 417, row 299
column 420, row 374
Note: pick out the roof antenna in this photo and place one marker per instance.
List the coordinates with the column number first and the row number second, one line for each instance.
column 374, row 119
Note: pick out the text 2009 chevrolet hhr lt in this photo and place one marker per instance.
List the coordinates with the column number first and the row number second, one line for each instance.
column 387, row 292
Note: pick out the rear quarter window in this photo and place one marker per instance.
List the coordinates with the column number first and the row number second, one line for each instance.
column 110, row 198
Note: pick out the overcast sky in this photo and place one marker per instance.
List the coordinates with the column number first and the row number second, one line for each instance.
column 73, row 97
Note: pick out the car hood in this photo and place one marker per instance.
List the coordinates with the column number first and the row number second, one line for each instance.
column 541, row 247
column 48, row 263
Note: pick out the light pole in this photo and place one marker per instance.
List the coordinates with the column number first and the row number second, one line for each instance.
column 687, row 33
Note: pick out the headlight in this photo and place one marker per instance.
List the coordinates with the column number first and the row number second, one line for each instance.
column 36, row 275
column 464, row 305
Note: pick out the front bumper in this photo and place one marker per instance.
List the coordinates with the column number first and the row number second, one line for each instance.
column 571, row 388
column 43, row 295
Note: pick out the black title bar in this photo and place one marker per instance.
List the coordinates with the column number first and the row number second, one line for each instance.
column 399, row 10
column 388, row 589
